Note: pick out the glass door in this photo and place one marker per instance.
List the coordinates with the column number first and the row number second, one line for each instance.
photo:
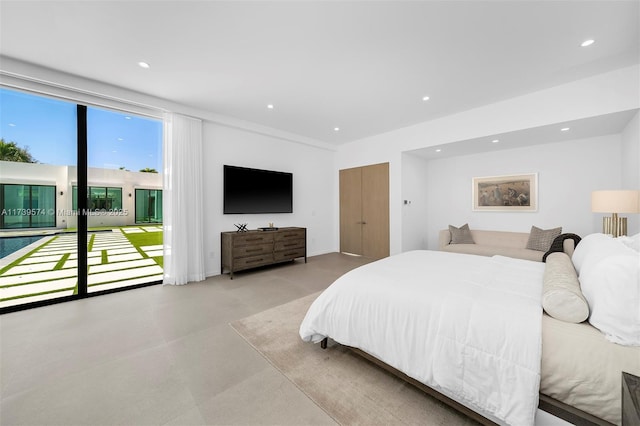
column 69, row 180
column 124, row 153
column 38, row 234
column 149, row 206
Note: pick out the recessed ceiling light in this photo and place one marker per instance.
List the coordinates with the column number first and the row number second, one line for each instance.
column 587, row 43
column 425, row 98
column 564, row 129
column 336, row 129
column 143, row 65
column 127, row 118
column 495, row 141
column 270, row 106
column 12, row 125
column 119, row 139
column 438, row 150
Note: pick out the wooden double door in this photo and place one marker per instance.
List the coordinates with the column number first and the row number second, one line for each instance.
column 364, row 211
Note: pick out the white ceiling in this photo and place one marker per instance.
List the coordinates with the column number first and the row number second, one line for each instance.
column 360, row 66
column 601, row 125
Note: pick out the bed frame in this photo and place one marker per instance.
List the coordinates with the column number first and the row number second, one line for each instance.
column 546, row 403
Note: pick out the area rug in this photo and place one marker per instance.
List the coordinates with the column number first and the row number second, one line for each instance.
column 350, row 389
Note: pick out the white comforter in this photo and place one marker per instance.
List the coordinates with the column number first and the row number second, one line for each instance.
column 467, row 326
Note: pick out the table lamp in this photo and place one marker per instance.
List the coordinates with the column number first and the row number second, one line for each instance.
column 614, row 202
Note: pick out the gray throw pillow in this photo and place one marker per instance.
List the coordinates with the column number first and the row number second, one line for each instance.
column 541, row 239
column 461, row 235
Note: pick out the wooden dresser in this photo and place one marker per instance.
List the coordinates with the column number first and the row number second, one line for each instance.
column 245, row 250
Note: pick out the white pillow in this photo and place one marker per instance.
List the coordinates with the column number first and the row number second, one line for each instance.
column 592, row 248
column 610, row 281
column 632, row 242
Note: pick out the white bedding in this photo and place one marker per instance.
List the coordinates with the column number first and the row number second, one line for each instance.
column 467, row 326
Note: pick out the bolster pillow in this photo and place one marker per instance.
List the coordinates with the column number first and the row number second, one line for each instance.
column 561, row 294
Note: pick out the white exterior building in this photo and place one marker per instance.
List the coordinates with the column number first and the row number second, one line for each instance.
column 131, row 190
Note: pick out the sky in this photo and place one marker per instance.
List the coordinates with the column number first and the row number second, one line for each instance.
column 47, row 127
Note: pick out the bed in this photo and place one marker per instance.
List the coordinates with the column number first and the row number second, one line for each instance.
column 590, row 382
column 473, row 329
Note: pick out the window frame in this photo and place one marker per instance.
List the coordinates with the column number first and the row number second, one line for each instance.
column 107, row 190
column 33, row 211
column 147, row 193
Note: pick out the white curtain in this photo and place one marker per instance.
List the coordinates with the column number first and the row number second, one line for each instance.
column 182, row 200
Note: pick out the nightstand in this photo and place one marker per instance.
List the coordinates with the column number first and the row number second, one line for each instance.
column 630, row 399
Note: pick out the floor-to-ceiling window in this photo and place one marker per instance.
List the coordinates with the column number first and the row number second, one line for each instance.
column 68, row 179
column 38, row 155
column 124, row 152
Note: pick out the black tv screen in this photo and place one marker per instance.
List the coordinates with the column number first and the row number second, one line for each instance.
column 257, row 191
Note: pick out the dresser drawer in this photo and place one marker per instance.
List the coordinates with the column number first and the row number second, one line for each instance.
column 288, row 245
column 290, row 234
column 252, row 250
column 289, row 254
column 252, row 239
column 252, row 261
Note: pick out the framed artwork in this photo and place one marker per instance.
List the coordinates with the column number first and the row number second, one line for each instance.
column 509, row 193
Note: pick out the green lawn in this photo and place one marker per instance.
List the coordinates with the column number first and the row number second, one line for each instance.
column 137, row 239
column 146, row 239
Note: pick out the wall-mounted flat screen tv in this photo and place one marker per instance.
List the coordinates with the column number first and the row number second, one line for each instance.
column 249, row 191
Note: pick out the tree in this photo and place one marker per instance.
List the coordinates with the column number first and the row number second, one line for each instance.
column 148, row 170
column 10, row 151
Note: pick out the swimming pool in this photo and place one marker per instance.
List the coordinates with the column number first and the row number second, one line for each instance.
column 10, row 245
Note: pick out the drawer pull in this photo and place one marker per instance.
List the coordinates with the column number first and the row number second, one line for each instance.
column 255, row 239
column 291, row 254
column 292, row 244
column 290, row 235
column 252, row 250
column 255, row 260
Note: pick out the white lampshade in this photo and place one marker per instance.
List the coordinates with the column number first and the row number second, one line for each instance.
column 615, row 201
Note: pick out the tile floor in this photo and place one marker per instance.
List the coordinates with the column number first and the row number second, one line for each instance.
column 161, row 355
column 158, row 355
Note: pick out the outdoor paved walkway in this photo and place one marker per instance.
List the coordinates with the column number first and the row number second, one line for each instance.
column 51, row 271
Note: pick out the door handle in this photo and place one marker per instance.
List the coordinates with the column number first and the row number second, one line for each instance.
column 361, row 223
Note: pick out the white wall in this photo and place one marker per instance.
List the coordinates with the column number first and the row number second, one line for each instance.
column 601, row 94
column 631, row 154
column 312, row 162
column 631, row 166
column 415, row 208
column 567, row 173
column 314, row 183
